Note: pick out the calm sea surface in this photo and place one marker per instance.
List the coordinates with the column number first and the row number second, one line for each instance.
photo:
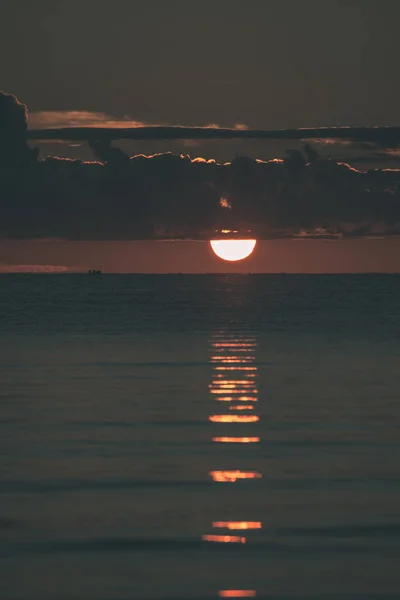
column 199, row 437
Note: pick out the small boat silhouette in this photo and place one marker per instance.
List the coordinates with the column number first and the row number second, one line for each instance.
column 94, row 272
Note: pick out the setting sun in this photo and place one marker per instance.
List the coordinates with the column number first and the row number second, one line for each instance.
column 233, row 250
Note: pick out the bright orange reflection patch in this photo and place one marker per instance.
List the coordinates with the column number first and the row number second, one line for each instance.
column 224, row 539
column 235, row 368
column 233, row 418
column 237, row 524
column 236, row 440
column 242, row 407
column 237, row 398
column 232, row 476
column 237, row 593
column 232, row 359
column 232, row 390
column 233, row 382
column 228, row 389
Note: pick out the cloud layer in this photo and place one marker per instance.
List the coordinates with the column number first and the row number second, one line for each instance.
column 89, row 122
column 55, row 119
column 383, row 137
column 175, row 196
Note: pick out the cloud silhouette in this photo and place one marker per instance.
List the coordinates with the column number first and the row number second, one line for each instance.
column 14, row 149
column 120, row 197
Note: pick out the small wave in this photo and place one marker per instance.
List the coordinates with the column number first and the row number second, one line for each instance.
column 131, row 424
column 387, row 530
column 127, row 545
column 114, row 484
column 128, row 365
column 67, row 485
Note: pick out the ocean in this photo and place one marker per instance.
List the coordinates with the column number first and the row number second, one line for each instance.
column 210, row 436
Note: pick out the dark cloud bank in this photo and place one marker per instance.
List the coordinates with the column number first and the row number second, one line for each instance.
column 122, row 197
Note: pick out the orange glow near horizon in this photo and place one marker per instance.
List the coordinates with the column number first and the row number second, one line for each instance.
column 232, row 476
column 233, row 250
column 224, row 539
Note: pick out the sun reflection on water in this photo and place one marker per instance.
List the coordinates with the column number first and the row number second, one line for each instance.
column 237, row 593
column 236, row 440
column 234, row 418
column 232, row 476
column 224, row 539
column 234, row 381
column 237, row 524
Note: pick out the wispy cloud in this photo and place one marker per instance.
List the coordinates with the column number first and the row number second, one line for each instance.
column 60, row 119
column 54, row 119
column 5, row 268
column 100, row 128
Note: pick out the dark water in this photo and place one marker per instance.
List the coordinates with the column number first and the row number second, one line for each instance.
column 199, row 437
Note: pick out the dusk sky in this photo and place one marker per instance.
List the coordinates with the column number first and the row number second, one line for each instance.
column 259, row 65
column 266, row 64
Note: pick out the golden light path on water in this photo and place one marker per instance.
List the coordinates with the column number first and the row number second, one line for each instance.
column 234, row 388
column 233, row 250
